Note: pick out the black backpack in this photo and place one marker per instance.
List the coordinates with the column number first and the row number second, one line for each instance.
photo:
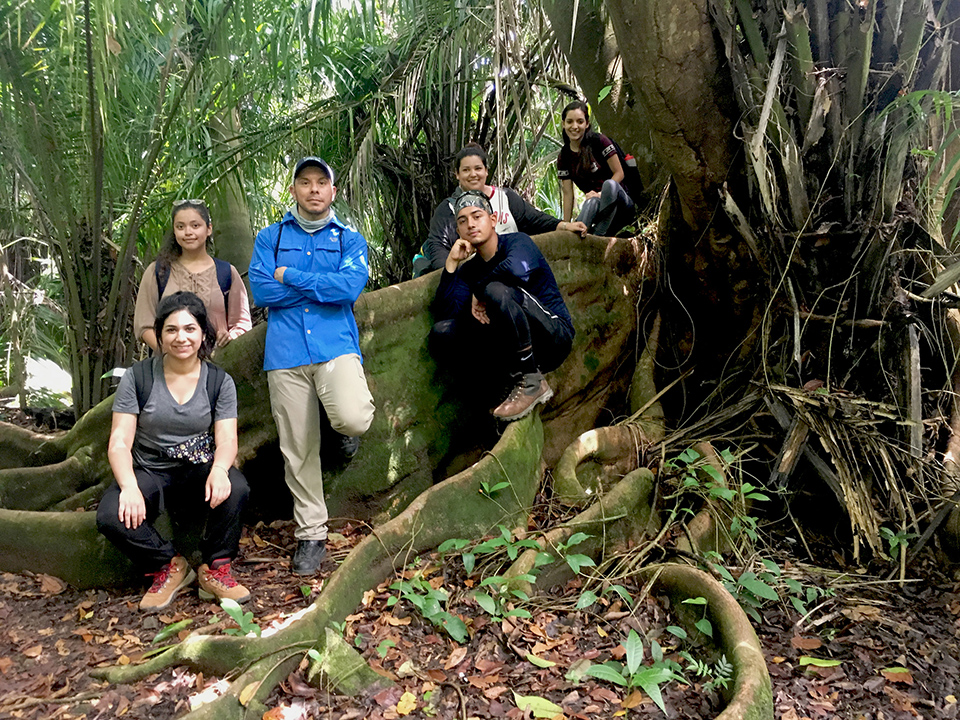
column 224, row 278
column 143, row 382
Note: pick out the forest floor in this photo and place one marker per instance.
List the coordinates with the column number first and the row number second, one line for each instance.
column 882, row 651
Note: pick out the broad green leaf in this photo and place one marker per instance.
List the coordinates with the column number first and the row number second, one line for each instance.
column 577, row 538
column 677, row 631
column 543, row 558
column 817, row 662
column 469, row 561
column 586, row 599
column 577, row 561
column 455, row 627
column 486, row 602
column 171, row 630
column 649, row 681
column 541, row 707
column 539, row 661
column 759, row 588
column 695, row 601
column 634, row 648
column 605, row 672
column 704, row 626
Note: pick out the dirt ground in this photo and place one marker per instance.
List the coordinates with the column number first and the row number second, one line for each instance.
column 890, row 652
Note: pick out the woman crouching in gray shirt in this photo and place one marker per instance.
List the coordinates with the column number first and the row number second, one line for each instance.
column 164, row 456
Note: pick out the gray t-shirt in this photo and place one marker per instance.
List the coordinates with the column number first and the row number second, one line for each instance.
column 165, row 423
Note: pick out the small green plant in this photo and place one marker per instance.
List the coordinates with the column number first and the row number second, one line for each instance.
column 504, row 541
column 384, row 647
column 429, row 601
column 897, row 542
column 488, row 489
column 241, row 618
column 634, row 674
column 499, row 601
column 717, row 675
column 703, row 624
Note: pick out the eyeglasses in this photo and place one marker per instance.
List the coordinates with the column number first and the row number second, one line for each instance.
column 191, row 201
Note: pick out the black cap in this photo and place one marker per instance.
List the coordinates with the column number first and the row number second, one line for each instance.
column 312, row 161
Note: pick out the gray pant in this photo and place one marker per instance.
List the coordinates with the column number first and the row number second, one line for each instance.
column 295, row 398
column 610, row 212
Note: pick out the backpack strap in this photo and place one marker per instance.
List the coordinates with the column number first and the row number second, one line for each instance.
column 224, row 279
column 162, row 277
column 143, row 380
column 215, row 376
column 276, row 248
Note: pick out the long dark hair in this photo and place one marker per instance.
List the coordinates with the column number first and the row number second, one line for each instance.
column 584, row 158
column 170, row 250
column 183, row 300
column 468, row 150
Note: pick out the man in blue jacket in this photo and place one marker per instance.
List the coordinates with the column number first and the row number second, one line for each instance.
column 499, row 306
column 309, row 270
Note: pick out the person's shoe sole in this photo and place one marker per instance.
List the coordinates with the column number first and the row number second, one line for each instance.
column 207, row 595
column 537, row 401
column 187, row 580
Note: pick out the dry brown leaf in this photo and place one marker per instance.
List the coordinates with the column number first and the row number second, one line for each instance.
column 437, row 675
column 277, row 713
column 51, row 585
column 806, row 643
column 61, row 647
column 858, row 613
column 777, row 660
column 45, row 632
column 396, row 622
column 900, row 675
column 633, row 700
column 5, row 664
column 259, row 541
column 33, row 651
column 246, row 695
column 494, row 692
column 123, row 660
column 456, row 657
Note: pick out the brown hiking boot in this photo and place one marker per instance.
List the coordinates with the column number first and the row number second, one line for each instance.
column 218, row 582
column 532, row 390
column 167, row 582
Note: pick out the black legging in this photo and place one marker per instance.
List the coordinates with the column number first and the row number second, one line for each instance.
column 517, row 321
column 179, row 490
column 609, row 213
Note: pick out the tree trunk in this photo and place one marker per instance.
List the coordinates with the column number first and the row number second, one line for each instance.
column 232, row 227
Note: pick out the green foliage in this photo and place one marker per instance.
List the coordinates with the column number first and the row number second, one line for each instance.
column 241, row 618
column 170, row 630
column 430, row 602
column 634, row 674
column 897, row 542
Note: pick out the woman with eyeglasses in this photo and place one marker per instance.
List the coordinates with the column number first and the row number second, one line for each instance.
column 593, row 163
column 184, row 263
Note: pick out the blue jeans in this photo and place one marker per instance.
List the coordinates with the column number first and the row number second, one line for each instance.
column 610, row 212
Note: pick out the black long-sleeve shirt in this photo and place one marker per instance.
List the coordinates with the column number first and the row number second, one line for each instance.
column 523, row 218
column 518, row 263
